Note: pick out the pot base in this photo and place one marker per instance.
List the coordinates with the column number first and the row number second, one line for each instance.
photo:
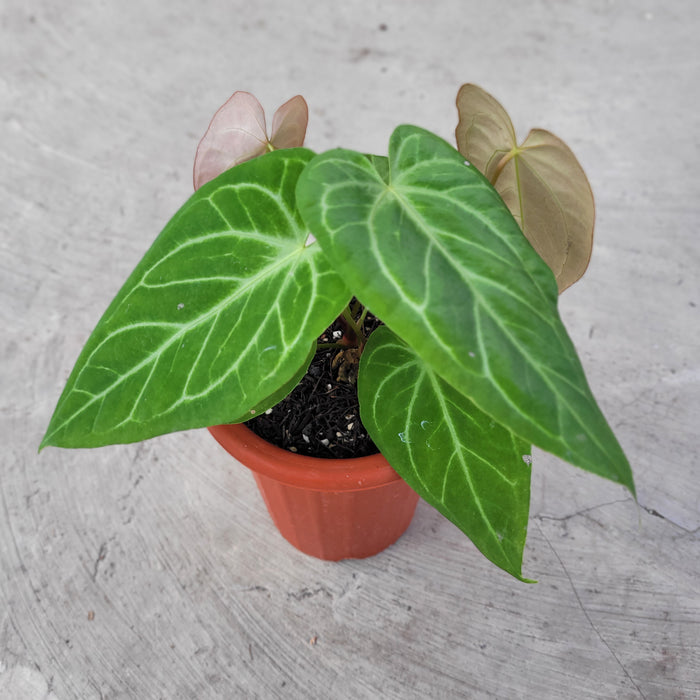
column 337, row 525
column 329, row 509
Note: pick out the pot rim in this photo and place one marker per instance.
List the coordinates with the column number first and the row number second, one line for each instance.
column 314, row 473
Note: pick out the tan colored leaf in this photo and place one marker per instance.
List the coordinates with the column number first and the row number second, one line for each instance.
column 540, row 181
column 484, row 133
column 548, row 193
column 289, row 124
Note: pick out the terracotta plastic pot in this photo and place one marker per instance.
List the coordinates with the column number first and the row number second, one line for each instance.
column 329, row 508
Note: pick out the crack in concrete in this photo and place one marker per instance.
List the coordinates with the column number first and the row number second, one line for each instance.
column 588, row 617
column 656, row 514
column 101, row 554
column 305, row 593
column 585, row 511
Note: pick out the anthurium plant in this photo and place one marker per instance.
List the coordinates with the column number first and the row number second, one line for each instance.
column 461, row 254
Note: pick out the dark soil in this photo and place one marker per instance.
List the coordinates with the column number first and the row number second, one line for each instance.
column 321, row 416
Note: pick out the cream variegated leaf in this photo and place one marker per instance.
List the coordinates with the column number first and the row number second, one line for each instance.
column 217, row 319
column 456, row 457
column 430, row 247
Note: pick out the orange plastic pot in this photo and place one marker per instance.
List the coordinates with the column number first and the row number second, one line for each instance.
column 328, row 508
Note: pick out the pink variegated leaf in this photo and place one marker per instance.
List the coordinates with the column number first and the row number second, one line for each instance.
column 236, row 133
column 289, row 124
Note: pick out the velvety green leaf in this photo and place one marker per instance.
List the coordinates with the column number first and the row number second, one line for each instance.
column 457, row 458
column 540, row 180
column 381, row 165
column 218, row 315
column 281, row 393
column 436, row 254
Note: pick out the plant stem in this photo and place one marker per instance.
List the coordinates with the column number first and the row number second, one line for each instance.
column 361, row 321
column 502, row 164
column 353, row 331
column 354, row 327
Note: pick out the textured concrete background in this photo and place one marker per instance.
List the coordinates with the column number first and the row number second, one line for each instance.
column 152, row 571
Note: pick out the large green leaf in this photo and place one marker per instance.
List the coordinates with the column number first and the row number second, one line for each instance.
column 473, row 470
column 281, row 393
column 435, row 253
column 218, row 316
column 541, row 182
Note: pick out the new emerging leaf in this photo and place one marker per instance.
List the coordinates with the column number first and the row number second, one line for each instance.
column 540, row 180
column 238, row 133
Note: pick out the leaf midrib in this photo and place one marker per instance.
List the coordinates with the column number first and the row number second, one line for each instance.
column 481, row 302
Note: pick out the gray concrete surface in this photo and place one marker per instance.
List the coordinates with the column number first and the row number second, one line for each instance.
column 152, row 571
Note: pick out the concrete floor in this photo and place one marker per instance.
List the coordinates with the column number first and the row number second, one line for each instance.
column 152, row 571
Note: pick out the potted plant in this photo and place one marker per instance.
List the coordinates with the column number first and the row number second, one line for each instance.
column 426, row 279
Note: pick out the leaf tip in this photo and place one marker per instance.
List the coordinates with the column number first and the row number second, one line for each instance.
column 45, row 442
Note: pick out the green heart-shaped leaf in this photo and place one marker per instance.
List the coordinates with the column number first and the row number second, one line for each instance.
column 435, row 253
column 540, row 180
column 218, row 315
column 473, row 470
